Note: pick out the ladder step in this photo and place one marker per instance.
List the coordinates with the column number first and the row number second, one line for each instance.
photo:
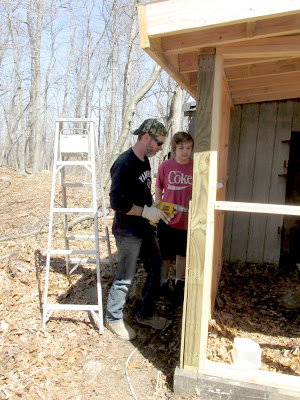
column 103, row 261
column 68, row 252
column 75, row 210
column 77, row 184
column 85, row 237
column 83, row 307
column 75, row 162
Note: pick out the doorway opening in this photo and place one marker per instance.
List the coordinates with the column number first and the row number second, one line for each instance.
column 291, row 224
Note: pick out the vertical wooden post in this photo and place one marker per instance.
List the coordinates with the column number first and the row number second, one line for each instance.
column 201, row 229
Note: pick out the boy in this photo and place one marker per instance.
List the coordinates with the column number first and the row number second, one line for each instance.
column 174, row 185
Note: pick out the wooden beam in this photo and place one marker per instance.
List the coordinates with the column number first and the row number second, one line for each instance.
column 261, row 69
column 188, row 62
column 143, row 27
column 264, row 81
column 233, row 62
column 267, row 97
column 166, row 17
column 255, row 29
column 257, row 208
column 280, row 89
column 226, row 105
column 250, row 29
column 227, row 382
column 237, row 68
column 272, row 47
column 186, row 42
column 201, row 228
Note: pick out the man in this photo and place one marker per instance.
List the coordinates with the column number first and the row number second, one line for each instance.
column 130, row 197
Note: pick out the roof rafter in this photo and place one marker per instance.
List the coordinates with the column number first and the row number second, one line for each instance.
column 186, row 42
column 262, row 69
column 260, row 45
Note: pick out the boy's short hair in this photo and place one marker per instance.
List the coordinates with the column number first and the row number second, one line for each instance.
column 181, row 137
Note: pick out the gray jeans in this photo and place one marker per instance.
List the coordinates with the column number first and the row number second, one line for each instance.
column 129, row 250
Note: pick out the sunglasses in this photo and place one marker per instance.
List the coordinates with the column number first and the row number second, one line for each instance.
column 158, row 142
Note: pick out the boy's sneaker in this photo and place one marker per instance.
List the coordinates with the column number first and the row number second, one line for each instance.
column 121, row 329
column 178, row 291
column 154, row 322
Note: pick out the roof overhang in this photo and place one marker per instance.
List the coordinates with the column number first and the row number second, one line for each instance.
column 259, row 41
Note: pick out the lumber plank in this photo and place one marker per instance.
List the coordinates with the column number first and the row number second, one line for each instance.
column 264, row 208
column 271, row 47
column 202, row 212
column 221, row 192
column 278, row 183
column 234, row 138
column 267, row 97
column 261, row 180
column 264, row 81
column 244, row 180
column 292, row 87
column 178, row 43
column 262, row 69
column 178, row 15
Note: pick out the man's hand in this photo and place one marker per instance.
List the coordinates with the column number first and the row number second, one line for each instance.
column 154, row 214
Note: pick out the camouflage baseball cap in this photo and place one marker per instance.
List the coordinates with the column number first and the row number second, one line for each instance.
column 153, row 127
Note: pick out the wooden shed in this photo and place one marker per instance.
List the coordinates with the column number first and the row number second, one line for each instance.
column 240, row 61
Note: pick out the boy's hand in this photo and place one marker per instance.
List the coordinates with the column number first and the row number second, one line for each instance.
column 153, row 214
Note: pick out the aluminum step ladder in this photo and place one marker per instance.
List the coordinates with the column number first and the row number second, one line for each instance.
column 76, row 154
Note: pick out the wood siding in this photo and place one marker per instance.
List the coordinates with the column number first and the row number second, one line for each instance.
column 258, row 155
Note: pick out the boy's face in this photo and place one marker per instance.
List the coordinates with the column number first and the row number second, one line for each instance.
column 183, row 152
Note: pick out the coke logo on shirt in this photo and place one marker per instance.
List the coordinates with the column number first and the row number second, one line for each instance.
column 177, row 177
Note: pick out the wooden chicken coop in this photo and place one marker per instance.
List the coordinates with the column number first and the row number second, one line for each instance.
column 240, row 61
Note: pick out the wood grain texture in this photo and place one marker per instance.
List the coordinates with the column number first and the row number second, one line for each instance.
column 261, row 179
column 207, row 126
column 244, row 180
column 233, row 156
column 278, row 183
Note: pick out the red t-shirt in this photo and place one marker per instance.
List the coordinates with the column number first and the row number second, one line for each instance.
column 175, row 180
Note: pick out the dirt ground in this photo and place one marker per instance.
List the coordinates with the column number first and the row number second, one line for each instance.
column 70, row 360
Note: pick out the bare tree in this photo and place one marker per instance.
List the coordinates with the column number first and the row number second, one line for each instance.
column 174, row 117
column 128, row 115
column 73, row 58
column 21, row 165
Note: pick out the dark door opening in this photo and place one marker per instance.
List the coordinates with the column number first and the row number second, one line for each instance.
column 291, row 224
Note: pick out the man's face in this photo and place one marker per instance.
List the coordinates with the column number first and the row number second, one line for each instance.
column 154, row 145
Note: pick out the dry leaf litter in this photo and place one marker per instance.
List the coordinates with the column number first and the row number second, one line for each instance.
column 70, row 360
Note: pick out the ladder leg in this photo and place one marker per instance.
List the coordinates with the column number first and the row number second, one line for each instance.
column 104, row 209
column 95, row 205
column 44, row 313
column 65, row 217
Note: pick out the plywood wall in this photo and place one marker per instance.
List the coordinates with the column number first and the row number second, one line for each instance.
column 258, row 155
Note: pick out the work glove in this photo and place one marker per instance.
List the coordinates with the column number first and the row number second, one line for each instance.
column 154, row 214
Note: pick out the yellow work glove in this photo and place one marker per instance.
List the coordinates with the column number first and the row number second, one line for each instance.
column 153, row 214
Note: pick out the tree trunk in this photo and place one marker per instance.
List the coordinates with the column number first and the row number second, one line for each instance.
column 67, row 79
column 174, row 119
column 112, row 112
column 130, row 111
column 38, row 136
column 20, row 167
column 127, row 88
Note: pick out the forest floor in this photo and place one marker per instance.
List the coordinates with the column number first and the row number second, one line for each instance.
column 68, row 359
